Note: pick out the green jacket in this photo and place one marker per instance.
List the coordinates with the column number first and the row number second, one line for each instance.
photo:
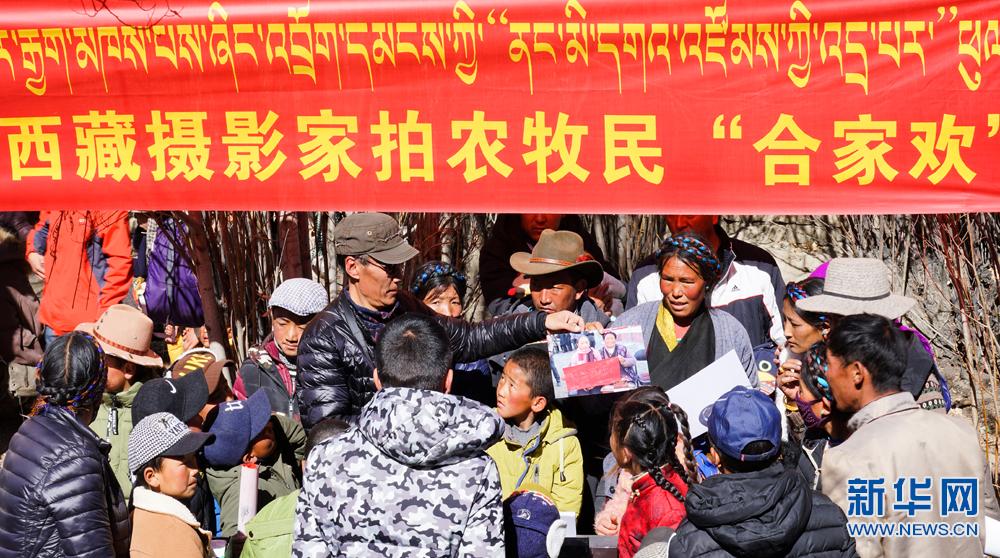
column 276, row 479
column 122, row 405
column 269, row 533
column 552, row 460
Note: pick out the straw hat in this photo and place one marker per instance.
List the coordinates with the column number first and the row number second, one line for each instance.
column 857, row 286
column 125, row 332
column 558, row 251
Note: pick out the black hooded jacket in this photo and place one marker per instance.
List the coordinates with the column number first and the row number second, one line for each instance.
column 58, row 495
column 764, row 514
column 336, row 360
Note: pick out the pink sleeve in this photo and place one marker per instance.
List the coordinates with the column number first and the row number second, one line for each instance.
column 615, row 507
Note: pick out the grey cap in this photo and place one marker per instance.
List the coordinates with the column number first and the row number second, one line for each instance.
column 300, row 296
column 162, row 434
column 374, row 234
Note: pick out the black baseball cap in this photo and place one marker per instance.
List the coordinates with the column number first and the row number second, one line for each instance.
column 182, row 397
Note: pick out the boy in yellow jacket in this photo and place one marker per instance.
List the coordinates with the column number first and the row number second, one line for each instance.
column 538, row 447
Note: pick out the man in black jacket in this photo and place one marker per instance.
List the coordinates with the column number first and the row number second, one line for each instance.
column 757, row 507
column 336, row 352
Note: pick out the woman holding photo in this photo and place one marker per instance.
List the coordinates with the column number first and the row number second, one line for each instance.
column 681, row 333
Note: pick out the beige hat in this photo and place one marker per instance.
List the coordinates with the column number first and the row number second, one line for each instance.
column 857, row 286
column 125, row 332
column 558, row 251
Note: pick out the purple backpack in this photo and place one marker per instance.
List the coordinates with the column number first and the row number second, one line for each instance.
column 171, row 285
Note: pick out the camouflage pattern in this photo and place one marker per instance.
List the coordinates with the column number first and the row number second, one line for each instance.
column 411, row 479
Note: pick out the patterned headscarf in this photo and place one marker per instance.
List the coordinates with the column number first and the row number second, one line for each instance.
column 692, row 249
column 816, row 367
column 434, row 269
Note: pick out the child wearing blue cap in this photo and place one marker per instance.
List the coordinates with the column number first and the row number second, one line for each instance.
column 758, row 505
column 246, row 432
column 533, row 527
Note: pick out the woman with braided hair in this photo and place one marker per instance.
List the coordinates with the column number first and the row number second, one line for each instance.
column 644, row 440
column 802, row 331
column 442, row 288
column 682, row 333
column 58, row 494
column 824, row 426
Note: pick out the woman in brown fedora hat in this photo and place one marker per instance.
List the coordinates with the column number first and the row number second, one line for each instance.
column 682, row 334
column 124, row 333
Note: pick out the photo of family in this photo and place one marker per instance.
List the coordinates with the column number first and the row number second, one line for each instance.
column 598, row 361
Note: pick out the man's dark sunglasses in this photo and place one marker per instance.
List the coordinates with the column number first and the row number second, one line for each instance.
column 392, row 270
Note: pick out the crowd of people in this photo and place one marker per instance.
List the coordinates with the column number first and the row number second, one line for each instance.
column 381, row 423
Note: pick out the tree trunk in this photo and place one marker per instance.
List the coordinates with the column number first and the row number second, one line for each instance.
column 214, row 322
column 305, row 262
column 290, row 251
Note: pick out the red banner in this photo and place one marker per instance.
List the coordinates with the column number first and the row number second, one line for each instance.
column 579, row 106
column 592, row 374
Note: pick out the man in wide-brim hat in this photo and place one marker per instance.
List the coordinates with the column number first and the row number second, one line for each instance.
column 124, row 334
column 559, row 274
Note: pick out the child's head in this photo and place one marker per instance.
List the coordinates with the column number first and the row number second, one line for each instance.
column 655, row 396
column 216, row 373
column 413, row 352
column 525, row 387
column 533, row 527
column 817, row 405
column 72, row 374
column 744, row 427
column 161, row 454
column 182, row 397
column 244, row 432
column 644, row 437
column 292, row 306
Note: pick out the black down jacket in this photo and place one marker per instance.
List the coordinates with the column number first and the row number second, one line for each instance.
column 58, row 495
column 335, row 367
column 764, row 514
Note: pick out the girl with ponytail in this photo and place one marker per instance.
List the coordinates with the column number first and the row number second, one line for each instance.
column 645, row 434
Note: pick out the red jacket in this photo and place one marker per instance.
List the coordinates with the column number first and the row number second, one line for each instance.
column 649, row 507
column 88, row 264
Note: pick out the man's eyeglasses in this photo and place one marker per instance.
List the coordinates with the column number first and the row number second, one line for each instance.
column 391, row 270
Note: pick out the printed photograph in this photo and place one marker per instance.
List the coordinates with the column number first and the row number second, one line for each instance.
column 598, row 361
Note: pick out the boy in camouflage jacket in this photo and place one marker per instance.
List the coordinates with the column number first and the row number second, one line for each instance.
column 412, row 478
